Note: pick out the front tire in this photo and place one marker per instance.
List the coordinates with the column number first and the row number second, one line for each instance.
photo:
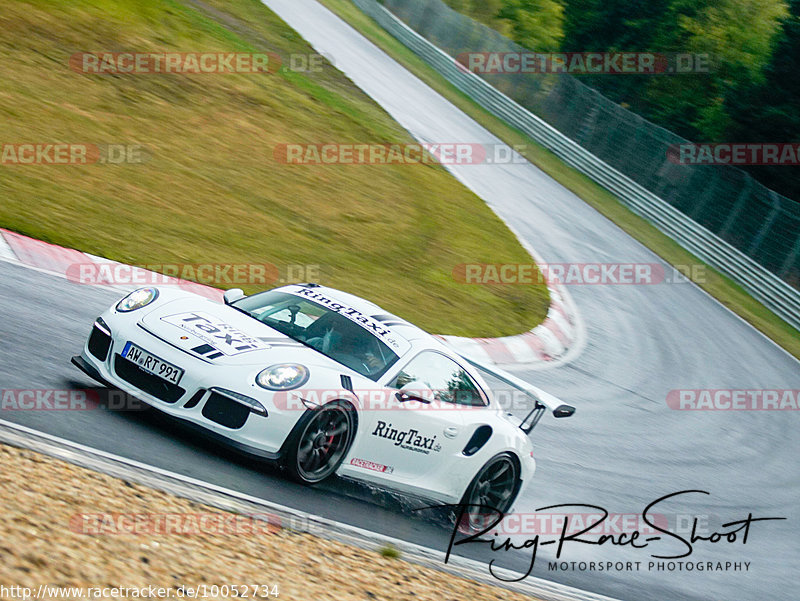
column 495, row 486
column 319, row 445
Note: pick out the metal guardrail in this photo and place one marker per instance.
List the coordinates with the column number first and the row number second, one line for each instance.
column 762, row 284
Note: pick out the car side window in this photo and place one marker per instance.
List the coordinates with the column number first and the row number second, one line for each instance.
column 446, row 378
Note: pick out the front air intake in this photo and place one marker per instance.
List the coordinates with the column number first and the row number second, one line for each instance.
column 99, row 343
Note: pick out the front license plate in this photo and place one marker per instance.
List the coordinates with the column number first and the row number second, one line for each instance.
column 152, row 364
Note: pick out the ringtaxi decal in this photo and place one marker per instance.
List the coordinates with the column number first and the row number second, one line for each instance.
column 372, row 326
column 410, row 439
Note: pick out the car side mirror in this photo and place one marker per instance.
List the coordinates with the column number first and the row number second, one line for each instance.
column 563, row 411
column 416, row 391
column 232, row 295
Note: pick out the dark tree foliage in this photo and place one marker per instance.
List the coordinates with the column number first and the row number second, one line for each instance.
column 770, row 111
column 750, row 93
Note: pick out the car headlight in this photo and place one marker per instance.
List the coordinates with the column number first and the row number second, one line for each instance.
column 284, row 376
column 137, row 299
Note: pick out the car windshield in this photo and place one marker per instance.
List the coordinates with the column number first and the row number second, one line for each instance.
column 323, row 329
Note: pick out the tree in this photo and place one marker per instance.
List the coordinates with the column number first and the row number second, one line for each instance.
column 750, row 92
column 535, row 24
column 739, row 35
column 769, row 111
column 599, row 25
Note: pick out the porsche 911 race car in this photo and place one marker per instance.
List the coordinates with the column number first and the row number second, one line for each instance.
column 322, row 382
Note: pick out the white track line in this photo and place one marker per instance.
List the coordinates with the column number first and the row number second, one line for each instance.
column 5, row 250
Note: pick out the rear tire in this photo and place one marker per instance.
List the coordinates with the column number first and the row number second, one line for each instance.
column 495, row 486
column 320, row 442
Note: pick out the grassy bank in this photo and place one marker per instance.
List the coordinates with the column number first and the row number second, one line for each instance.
column 210, row 189
column 719, row 286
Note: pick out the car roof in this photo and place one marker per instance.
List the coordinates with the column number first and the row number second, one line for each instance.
column 419, row 339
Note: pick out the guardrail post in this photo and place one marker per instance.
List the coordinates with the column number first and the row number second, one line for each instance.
column 776, row 209
column 588, row 123
column 790, row 258
column 737, row 208
column 706, row 196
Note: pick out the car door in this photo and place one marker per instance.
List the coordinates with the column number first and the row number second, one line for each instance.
column 412, row 438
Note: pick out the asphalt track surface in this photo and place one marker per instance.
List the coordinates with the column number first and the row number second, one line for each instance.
column 624, row 447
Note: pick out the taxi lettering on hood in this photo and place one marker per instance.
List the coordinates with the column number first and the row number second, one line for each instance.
column 223, row 337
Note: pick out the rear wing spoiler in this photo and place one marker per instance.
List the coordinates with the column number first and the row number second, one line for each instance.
column 542, row 400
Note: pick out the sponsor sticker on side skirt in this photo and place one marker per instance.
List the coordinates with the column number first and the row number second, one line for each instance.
column 371, row 465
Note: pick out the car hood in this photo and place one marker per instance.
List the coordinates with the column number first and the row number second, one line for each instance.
column 224, row 336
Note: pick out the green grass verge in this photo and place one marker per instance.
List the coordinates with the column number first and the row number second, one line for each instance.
column 211, row 191
column 719, row 286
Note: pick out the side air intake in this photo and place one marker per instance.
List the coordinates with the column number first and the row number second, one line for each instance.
column 479, row 438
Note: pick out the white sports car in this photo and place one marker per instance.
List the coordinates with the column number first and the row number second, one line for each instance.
column 322, row 382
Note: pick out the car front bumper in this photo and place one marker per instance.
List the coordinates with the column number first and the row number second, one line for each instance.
column 228, row 421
